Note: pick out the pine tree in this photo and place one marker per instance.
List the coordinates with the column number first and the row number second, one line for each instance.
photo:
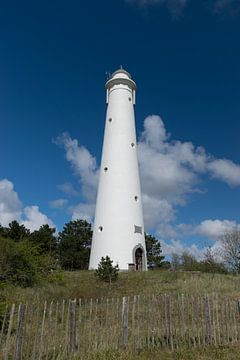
column 106, row 271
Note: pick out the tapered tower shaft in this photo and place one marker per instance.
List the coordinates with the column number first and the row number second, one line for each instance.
column 118, row 228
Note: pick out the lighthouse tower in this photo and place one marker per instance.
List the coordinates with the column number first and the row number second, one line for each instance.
column 118, row 228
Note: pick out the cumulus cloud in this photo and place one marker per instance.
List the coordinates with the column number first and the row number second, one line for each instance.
column 58, row 203
column 177, row 247
column 11, row 209
column 213, row 229
column 170, row 171
column 10, row 205
column 226, row 171
column 83, row 211
column 83, row 164
column 68, row 189
column 33, row 218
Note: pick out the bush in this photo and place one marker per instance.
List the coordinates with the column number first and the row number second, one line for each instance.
column 21, row 264
column 106, row 271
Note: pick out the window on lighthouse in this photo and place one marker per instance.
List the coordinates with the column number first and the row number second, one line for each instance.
column 137, row 229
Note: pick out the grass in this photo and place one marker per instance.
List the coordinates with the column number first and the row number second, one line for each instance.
column 83, row 284
column 230, row 352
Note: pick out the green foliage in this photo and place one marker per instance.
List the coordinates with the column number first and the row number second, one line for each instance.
column 21, row 263
column 187, row 262
column 17, row 232
column 75, row 244
column 2, row 304
column 153, row 248
column 210, row 265
column 45, row 239
column 106, row 271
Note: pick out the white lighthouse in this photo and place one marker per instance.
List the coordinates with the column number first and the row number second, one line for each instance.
column 118, row 227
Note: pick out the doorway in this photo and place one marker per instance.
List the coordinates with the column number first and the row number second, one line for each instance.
column 139, row 259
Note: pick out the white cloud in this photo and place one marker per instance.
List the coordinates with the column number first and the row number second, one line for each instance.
column 83, row 164
column 213, row 229
column 10, row 205
column 11, row 209
column 170, row 172
column 58, row 203
column 177, row 247
column 68, row 189
column 83, row 211
column 33, row 218
column 156, row 211
column 226, row 171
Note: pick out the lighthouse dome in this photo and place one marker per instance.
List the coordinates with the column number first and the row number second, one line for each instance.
column 121, row 74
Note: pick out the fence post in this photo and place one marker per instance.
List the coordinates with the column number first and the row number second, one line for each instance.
column 3, row 325
column 9, row 332
column 124, row 322
column 42, row 330
column 55, row 332
column 49, row 328
column 72, row 325
column 133, row 323
column 18, row 340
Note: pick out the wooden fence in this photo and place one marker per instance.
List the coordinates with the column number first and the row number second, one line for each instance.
column 58, row 330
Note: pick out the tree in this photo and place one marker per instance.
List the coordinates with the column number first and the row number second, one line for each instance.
column 210, row 265
column 106, row 271
column 45, row 239
column 189, row 262
column 75, row 244
column 231, row 249
column 20, row 263
column 17, row 232
column 176, row 261
column 153, row 248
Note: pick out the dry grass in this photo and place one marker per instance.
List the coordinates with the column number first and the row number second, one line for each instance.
column 83, row 284
column 231, row 352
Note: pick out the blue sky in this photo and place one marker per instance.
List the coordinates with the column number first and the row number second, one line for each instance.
column 184, row 56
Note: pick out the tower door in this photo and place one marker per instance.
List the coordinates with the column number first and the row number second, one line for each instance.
column 139, row 259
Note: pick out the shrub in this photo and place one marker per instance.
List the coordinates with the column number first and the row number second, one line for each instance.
column 21, row 264
column 106, row 271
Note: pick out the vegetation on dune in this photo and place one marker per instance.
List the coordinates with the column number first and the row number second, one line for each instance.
column 230, row 352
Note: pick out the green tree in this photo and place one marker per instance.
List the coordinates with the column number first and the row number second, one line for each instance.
column 45, row 239
column 75, row 244
column 17, row 232
column 154, row 251
column 106, row 271
column 18, row 262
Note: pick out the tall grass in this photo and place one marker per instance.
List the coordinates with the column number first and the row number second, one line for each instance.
column 83, row 284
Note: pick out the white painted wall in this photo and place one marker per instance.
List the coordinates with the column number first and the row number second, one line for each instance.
column 117, row 212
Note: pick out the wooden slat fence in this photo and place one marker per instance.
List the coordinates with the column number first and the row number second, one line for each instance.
column 58, row 330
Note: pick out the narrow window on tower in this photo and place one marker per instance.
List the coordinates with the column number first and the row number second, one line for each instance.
column 110, row 119
column 132, row 145
column 129, row 99
column 136, row 198
column 100, row 229
column 137, row 229
column 105, row 169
